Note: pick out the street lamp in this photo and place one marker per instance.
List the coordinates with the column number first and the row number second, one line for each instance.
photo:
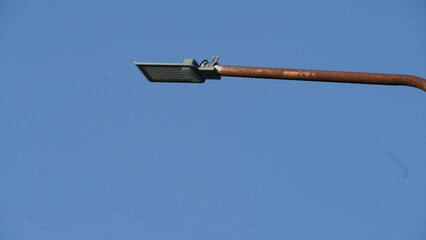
column 191, row 72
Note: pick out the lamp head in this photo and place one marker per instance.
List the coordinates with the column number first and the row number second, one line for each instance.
column 187, row 72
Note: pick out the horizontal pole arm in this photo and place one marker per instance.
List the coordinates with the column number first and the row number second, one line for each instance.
column 322, row 76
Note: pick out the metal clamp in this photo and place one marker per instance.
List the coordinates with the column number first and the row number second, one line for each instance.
column 208, row 70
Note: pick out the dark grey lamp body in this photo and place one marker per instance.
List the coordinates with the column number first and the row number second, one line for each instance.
column 188, row 72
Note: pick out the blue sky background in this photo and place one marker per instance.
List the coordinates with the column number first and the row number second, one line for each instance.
column 89, row 149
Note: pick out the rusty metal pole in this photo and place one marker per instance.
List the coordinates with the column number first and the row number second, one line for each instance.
column 322, row 76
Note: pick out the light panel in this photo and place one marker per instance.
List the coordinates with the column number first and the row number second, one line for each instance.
column 172, row 72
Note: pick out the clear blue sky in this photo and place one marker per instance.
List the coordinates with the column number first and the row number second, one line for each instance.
column 89, row 149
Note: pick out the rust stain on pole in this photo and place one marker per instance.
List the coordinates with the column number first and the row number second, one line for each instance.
column 324, row 76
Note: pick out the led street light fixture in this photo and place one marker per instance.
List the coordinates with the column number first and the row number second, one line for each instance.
column 191, row 72
column 188, row 72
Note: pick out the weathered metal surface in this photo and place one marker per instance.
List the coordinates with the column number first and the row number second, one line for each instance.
column 324, row 76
